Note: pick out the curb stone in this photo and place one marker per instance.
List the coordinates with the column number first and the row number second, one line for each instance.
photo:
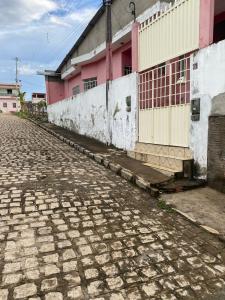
column 142, row 183
column 98, row 158
column 116, row 168
column 126, row 174
column 106, row 163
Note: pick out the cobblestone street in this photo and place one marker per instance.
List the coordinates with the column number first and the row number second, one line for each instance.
column 71, row 229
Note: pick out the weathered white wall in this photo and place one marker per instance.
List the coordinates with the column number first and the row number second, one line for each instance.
column 208, row 80
column 86, row 113
column 123, row 124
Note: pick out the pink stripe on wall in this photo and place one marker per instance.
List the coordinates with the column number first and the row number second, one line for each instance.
column 135, row 28
column 55, row 91
column 207, row 10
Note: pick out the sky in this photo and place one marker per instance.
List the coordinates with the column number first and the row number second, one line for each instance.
column 40, row 33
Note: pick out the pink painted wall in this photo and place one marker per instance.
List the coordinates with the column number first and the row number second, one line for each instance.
column 59, row 90
column 134, row 38
column 71, row 83
column 55, row 90
column 9, row 107
column 117, row 65
column 207, row 9
column 97, row 69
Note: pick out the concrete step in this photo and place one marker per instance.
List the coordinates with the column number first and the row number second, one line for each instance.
column 170, row 151
column 163, row 170
column 169, row 160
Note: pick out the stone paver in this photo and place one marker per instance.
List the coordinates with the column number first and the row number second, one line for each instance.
column 71, row 229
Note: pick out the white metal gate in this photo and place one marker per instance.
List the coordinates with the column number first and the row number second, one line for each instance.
column 169, row 33
column 164, row 103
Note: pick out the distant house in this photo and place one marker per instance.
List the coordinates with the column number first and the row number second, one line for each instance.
column 9, row 101
column 38, row 97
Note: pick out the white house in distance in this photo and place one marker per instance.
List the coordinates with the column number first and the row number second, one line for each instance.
column 38, row 97
column 9, row 101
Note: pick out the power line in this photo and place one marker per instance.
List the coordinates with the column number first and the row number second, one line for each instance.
column 74, row 34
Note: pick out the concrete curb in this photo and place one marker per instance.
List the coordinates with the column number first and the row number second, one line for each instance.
column 128, row 176
column 116, row 168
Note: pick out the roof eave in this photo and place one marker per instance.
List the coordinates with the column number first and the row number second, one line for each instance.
column 93, row 21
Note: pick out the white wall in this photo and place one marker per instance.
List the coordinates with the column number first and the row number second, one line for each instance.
column 208, row 80
column 86, row 113
column 123, row 124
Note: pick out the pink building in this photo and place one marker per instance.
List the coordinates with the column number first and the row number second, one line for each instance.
column 9, row 101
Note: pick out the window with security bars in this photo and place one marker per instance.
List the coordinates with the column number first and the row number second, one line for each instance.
column 166, row 85
column 76, row 90
column 127, row 70
column 90, row 83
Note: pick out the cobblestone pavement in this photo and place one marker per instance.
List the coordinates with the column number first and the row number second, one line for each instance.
column 70, row 229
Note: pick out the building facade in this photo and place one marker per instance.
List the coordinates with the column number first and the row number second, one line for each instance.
column 167, row 67
column 38, row 97
column 9, row 101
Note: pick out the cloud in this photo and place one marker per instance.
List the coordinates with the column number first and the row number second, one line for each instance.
column 27, row 69
column 22, row 12
column 70, row 19
column 40, row 33
column 82, row 16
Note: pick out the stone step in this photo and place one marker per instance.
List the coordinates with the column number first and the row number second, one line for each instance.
column 168, row 172
column 167, row 163
column 162, row 150
column 158, row 160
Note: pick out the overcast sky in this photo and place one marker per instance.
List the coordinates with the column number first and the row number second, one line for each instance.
column 40, row 33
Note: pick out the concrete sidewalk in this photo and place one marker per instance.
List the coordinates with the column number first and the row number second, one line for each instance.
column 204, row 206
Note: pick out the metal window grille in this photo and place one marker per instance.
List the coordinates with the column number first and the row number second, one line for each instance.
column 76, row 90
column 14, row 105
column 90, row 83
column 5, row 105
column 165, row 85
column 127, row 70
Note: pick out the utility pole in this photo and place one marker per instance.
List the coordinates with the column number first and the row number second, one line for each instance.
column 108, row 4
column 17, row 60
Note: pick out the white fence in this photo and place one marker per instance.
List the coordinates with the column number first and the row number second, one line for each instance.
column 169, row 34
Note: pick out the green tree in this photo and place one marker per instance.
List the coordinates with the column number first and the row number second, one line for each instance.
column 21, row 96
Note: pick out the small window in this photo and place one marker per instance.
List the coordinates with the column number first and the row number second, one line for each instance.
column 9, row 91
column 90, row 83
column 127, row 70
column 76, row 90
column 5, row 105
column 14, row 105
